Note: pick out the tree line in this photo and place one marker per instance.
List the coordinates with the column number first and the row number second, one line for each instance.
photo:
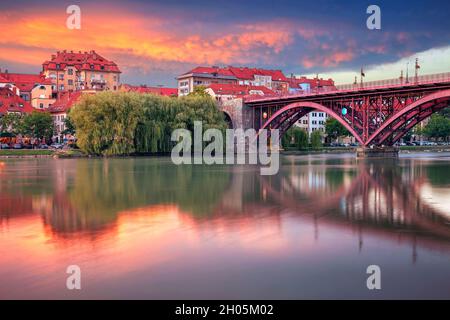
column 126, row 122
column 34, row 125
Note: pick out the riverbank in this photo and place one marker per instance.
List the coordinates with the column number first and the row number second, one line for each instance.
column 334, row 150
column 38, row 153
column 62, row 154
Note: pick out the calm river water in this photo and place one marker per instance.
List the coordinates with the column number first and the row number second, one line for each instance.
column 145, row 228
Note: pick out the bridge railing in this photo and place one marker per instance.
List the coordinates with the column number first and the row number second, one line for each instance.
column 380, row 84
column 411, row 81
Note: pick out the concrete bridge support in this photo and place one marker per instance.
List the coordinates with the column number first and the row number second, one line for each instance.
column 377, row 152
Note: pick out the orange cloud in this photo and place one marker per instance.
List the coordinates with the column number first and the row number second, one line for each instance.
column 33, row 36
column 329, row 59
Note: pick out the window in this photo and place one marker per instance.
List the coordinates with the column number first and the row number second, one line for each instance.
column 41, row 105
column 70, row 82
column 61, row 87
column 70, row 72
column 92, row 66
column 58, row 66
column 42, row 87
column 61, row 76
column 102, row 67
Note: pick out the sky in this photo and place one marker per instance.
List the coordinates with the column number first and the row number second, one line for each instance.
column 155, row 41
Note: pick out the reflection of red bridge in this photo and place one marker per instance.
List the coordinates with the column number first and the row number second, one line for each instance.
column 377, row 113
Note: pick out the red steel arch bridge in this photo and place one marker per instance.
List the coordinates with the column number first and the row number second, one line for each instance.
column 376, row 113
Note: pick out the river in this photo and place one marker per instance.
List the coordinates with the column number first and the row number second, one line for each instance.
column 143, row 228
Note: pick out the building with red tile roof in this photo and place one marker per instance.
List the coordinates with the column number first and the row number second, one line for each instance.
column 303, row 84
column 59, row 111
column 224, row 92
column 12, row 103
column 75, row 71
column 33, row 88
column 205, row 76
column 169, row 92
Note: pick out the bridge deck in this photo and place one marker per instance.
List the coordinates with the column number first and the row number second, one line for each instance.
column 431, row 82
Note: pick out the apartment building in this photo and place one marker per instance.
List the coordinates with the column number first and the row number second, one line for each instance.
column 206, row 76
column 12, row 103
column 75, row 71
column 33, row 88
column 225, row 92
column 203, row 76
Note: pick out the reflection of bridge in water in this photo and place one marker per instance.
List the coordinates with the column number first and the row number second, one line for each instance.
column 85, row 200
column 372, row 198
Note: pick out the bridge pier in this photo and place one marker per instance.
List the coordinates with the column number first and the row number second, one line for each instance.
column 377, row 152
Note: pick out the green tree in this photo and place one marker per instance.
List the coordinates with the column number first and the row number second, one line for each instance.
column 69, row 127
column 437, row 127
column 334, row 129
column 122, row 123
column 199, row 91
column 316, row 140
column 38, row 125
column 301, row 139
column 12, row 123
column 106, row 122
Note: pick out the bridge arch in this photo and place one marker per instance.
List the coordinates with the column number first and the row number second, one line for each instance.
column 228, row 119
column 284, row 118
column 405, row 119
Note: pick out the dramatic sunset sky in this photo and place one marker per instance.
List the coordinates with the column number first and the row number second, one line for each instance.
column 154, row 41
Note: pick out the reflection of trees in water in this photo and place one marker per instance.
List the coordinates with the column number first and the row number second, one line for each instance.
column 87, row 195
column 103, row 188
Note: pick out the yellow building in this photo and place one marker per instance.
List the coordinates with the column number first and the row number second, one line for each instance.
column 70, row 71
column 33, row 88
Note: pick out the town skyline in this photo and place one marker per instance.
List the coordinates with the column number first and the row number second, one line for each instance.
column 155, row 41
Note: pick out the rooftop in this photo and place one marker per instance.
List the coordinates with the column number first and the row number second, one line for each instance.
column 24, row 81
column 10, row 102
column 90, row 61
column 65, row 101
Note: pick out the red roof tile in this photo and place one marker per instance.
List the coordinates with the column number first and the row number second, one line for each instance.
column 65, row 101
column 245, row 73
column 211, row 70
column 3, row 80
column 25, row 82
column 238, row 90
column 241, row 73
column 314, row 83
column 81, row 61
column 10, row 102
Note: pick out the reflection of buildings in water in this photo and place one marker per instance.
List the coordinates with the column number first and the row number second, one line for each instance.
column 376, row 198
column 380, row 199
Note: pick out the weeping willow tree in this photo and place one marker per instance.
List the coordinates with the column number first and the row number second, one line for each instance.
column 123, row 123
column 105, row 122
